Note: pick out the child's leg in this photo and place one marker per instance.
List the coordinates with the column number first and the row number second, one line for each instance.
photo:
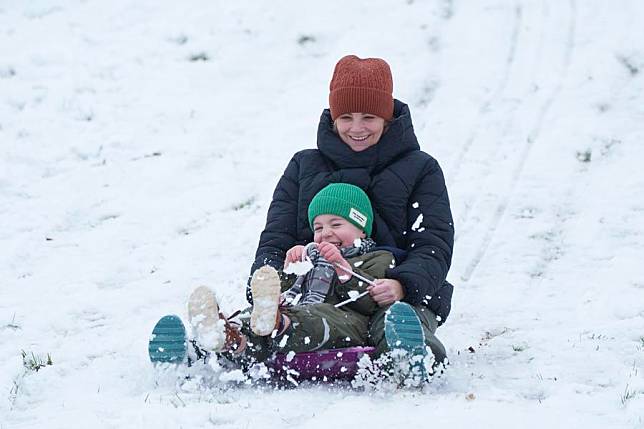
column 322, row 326
column 312, row 327
column 293, row 329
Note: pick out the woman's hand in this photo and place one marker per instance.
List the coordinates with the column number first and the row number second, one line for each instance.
column 294, row 254
column 331, row 253
column 386, row 291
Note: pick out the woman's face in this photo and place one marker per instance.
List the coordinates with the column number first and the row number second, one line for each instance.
column 359, row 130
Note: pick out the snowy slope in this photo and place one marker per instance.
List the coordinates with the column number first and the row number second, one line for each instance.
column 140, row 142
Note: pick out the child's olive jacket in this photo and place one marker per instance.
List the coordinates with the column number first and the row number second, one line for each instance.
column 371, row 265
column 409, row 198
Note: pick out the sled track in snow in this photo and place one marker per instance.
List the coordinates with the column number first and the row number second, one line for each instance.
column 493, row 99
column 532, row 136
column 487, row 106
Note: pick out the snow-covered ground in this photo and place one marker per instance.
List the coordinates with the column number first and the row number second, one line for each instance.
column 140, row 142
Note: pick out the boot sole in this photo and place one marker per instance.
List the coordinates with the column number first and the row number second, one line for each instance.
column 203, row 314
column 265, row 288
column 168, row 341
column 403, row 331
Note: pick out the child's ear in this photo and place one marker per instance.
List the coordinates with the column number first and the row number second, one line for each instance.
column 363, row 234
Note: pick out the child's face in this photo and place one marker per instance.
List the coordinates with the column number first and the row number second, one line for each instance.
column 335, row 230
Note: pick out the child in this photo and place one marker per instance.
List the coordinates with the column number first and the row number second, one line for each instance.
column 341, row 218
column 307, row 319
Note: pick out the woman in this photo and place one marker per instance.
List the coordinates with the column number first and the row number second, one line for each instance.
column 366, row 138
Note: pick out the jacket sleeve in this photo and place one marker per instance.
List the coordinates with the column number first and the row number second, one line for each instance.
column 280, row 232
column 430, row 238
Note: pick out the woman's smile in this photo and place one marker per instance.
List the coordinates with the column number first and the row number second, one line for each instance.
column 359, row 130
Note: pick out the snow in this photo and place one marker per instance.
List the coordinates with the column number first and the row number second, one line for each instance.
column 140, row 143
column 299, row 268
column 211, row 339
column 417, row 222
column 283, row 341
column 353, row 294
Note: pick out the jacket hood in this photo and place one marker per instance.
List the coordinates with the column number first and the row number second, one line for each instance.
column 398, row 139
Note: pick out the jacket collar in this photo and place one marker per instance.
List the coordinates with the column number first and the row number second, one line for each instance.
column 398, row 139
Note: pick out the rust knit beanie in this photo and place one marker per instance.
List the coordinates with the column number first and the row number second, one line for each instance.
column 361, row 86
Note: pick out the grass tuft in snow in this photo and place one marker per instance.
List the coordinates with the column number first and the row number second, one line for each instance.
column 305, row 39
column 584, row 155
column 201, row 56
column 632, row 68
column 8, row 72
column 244, row 204
column 34, row 363
column 13, row 325
column 628, row 394
column 629, row 391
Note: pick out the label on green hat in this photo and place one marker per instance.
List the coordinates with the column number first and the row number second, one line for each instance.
column 358, row 217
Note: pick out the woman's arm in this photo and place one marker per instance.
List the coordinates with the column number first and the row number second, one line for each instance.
column 280, row 232
column 430, row 238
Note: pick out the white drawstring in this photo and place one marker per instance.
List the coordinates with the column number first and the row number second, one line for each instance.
column 345, row 302
column 355, row 298
column 355, row 274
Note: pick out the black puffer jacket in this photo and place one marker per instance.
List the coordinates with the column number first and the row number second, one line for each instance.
column 408, row 195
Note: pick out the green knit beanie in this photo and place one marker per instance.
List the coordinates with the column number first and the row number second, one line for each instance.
column 344, row 200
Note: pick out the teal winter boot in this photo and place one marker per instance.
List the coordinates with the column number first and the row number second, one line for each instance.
column 406, row 340
column 168, row 342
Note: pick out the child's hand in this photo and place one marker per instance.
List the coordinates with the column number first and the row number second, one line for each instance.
column 294, row 254
column 332, row 254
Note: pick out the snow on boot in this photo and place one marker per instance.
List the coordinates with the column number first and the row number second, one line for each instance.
column 203, row 315
column 406, row 340
column 265, row 288
column 212, row 331
column 168, row 341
